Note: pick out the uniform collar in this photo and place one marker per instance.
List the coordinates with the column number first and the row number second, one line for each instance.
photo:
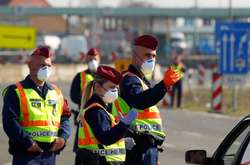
column 29, row 83
column 33, row 85
column 137, row 72
column 87, row 71
column 97, row 99
column 134, row 69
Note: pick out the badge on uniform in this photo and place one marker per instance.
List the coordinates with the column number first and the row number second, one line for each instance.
column 53, row 104
column 36, row 103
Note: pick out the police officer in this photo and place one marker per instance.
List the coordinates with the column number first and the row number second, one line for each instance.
column 80, row 82
column 35, row 114
column 100, row 138
column 137, row 92
column 82, row 78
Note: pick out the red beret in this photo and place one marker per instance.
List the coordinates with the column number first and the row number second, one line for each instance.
column 93, row 52
column 109, row 73
column 147, row 41
column 42, row 51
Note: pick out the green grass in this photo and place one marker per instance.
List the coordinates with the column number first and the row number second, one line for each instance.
column 203, row 98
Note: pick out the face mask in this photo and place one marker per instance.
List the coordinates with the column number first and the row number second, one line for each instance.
column 43, row 73
column 110, row 96
column 92, row 65
column 148, row 66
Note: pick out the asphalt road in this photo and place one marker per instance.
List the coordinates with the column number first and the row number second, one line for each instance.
column 185, row 130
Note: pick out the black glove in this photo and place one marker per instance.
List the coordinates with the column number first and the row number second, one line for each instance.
column 151, row 139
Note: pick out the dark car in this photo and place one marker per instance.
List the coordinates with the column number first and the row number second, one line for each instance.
column 234, row 149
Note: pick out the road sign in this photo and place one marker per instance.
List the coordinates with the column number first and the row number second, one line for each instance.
column 232, row 80
column 122, row 64
column 17, row 37
column 233, row 47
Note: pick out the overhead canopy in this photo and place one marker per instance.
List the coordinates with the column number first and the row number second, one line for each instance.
column 130, row 12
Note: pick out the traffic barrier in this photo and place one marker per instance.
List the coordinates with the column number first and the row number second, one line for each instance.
column 201, row 74
column 216, row 92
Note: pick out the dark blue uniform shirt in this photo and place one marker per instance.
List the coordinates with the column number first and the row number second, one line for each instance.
column 101, row 125
column 133, row 93
column 19, row 140
column 75, row 89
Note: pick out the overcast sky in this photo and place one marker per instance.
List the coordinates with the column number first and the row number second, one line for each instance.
column 158, row 3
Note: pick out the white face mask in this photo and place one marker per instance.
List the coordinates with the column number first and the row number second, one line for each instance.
column 148, row 66
column 43, row 73
column 110, row 96
column 93, row 65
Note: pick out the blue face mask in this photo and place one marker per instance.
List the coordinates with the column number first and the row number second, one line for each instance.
column 148, row 66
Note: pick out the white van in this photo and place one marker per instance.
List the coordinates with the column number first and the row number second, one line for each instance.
column 177, row 40
column 73, row 45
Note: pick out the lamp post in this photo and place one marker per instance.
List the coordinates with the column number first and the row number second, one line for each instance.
column 230, row 10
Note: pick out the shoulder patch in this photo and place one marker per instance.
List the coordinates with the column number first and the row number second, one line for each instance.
column 10, row 87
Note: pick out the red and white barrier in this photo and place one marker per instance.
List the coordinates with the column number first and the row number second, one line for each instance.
column 216, row 92
column 201, row 74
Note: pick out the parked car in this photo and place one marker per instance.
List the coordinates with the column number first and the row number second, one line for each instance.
column 234, row 149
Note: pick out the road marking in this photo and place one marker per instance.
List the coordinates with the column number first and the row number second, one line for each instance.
column 196, row 134
column 219, row 116
column 168, row 145
column 7, row 163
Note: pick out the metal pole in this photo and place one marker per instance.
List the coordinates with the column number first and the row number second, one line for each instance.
column 195, row 26
column 234, row 98
column 68, row 20
column 230, row 10
column 233, row 88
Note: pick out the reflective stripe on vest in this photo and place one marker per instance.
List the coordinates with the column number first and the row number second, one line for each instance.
column 34, row 117
column 148, row 119
column 147, row 127
column 87, row 140
column 105, row 152
column 146, row 114
column 85, row 78
column 42, row 133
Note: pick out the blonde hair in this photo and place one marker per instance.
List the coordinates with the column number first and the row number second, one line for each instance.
column 89, row 90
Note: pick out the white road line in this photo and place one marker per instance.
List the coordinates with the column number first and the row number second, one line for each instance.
column 186, row 133
column 220, row 116
column 196, row 134
column 7, row 163
column 168, row 145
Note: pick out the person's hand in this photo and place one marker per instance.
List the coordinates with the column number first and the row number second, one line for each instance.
column 58, row 144
column 129, row 143
column 34, row 148
column 171, row 76
column 129, row 118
